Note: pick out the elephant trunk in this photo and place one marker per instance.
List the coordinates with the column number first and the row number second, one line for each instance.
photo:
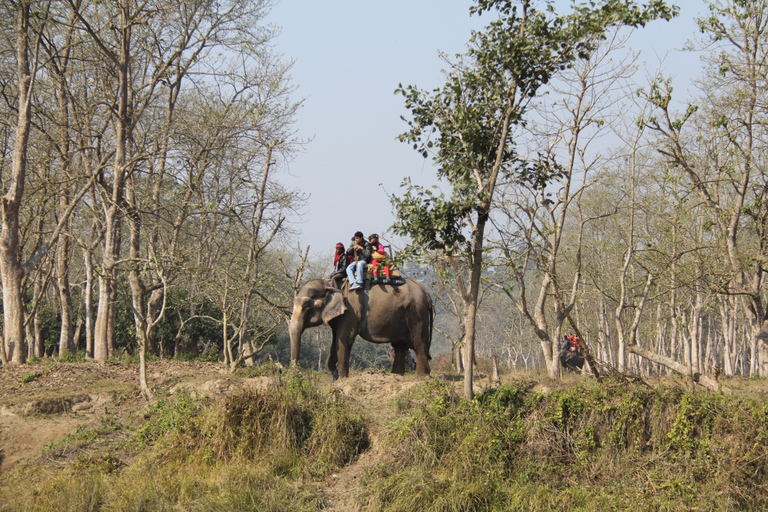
column 295, row 328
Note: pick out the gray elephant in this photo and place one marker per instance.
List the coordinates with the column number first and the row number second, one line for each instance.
column 401, row 315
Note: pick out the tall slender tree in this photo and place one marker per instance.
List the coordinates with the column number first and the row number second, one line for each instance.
column 718, row 145
column 469, row 125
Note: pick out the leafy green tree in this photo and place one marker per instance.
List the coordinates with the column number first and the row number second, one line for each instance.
column 469, row 126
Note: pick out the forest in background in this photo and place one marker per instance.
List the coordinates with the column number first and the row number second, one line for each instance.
column 142, row 207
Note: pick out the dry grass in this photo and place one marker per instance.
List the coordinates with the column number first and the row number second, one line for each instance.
column 532, row 444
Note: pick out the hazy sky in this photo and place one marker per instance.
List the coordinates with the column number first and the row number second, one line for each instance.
column 349, row 57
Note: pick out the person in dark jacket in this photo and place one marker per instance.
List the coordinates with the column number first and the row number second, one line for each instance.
column 570, row 354
column 359, row 254
column 340, row 262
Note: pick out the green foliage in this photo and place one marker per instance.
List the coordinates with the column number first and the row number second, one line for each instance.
column 73, row 357
column 515, row 449
column 30, row 377
column 210, row 355
column 254, row 450
column 82, row 433
column 469, row 123
column 267, row 369
column 338, row 436
column 297, row 428
column 165, row 416
column 49, row 323
column 592, row 447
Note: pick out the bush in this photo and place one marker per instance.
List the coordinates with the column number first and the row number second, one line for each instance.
column 254, row 450
column 516, row 449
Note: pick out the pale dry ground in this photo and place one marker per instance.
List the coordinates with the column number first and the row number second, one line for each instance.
column 41, row 403
column 57, row 399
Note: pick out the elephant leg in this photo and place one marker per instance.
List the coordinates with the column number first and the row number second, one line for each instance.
column 398, row 362
column 421, row 347
column 331, row 362
column 332, row 355
column 344, row 349
column 422, row 363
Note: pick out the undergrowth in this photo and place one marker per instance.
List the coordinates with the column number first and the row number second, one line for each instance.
column 592, row 447
column 251, row 451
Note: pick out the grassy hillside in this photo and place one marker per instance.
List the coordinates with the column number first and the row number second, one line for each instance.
column 405, row 445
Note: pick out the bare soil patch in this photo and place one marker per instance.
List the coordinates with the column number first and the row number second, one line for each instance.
column 42, row 403
column 376, row 392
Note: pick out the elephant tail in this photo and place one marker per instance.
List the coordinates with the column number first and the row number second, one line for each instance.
column 431, row 322
column 431, row 308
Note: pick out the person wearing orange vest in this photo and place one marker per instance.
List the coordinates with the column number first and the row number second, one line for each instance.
column 378, row 256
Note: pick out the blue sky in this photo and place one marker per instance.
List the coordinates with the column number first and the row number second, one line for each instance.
column 349, row 57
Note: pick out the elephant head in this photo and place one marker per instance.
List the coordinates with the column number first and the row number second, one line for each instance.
column 315, row 303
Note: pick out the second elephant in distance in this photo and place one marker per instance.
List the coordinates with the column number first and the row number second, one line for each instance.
column 400, row 315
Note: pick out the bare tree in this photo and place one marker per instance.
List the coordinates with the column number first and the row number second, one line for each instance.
column 718, row 146
column 544, row 229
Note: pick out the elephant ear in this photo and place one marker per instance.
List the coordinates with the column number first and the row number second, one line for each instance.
column 334, row 304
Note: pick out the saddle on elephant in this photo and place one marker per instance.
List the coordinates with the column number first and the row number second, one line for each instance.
column 393, row 279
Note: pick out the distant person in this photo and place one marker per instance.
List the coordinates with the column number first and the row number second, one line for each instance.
column 570, row 354
column 359, row 254
column 340, row 262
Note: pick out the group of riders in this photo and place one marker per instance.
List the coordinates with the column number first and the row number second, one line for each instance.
column 571, row 356
column 352, row 262
column 361, row 253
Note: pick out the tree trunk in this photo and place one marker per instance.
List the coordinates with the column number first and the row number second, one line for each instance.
column 36, row 333
column 245, row 347
column 603, row 338
column 102, row 324
column 104, row 332
column 138, row 290
column 472, row 299
column 88, row 302
column 11, row 269
column 458, row 361
column 708, row 382
column 65, row 294
column 66, row 333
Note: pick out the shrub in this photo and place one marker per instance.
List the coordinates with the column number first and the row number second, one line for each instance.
column 515, row 449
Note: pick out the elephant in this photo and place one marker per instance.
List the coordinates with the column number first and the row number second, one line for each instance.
column 572, row 361
column 401, row 315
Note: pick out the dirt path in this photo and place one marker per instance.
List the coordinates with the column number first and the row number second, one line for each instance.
column 376, row 393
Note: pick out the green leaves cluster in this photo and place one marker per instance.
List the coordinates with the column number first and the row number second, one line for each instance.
column 469, row 125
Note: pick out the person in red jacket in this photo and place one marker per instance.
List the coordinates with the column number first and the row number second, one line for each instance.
column 378, row 256
column 340, row 262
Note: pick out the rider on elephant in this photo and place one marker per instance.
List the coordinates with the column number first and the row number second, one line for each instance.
column 340, row 262
column 571, row 343
column 378, row 257
column 359, row 254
